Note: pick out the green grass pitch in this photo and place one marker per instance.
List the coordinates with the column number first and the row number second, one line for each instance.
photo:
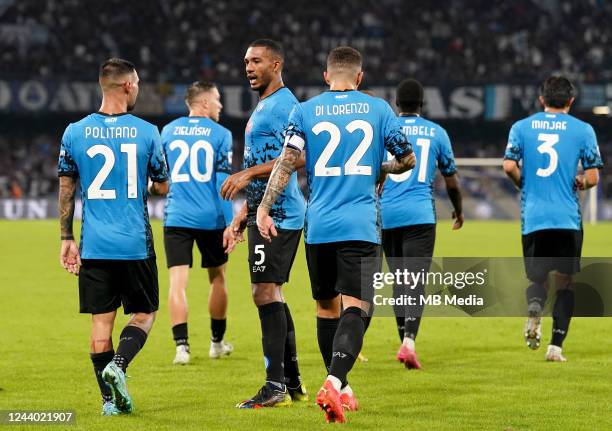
column 477, row 372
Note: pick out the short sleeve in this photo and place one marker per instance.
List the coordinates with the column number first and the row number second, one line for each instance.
column 223, row 166
column 66, row 165
column 295, row 137
column 446, row 158
column 514, row 149
column 224, row 155
column 281, row 113
column 164, row 138
column 158, row 170
column 589, row 153
column 396, row 142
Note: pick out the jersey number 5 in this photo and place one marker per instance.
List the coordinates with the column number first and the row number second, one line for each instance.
column 549, row 140
column 351, row 167
column 95, row 190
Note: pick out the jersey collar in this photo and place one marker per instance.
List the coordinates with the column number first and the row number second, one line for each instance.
column 111, row 115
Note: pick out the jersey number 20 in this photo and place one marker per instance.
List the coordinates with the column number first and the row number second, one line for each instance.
column 192, row 154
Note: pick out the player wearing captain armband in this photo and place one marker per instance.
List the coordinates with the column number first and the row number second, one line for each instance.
column 345, row 135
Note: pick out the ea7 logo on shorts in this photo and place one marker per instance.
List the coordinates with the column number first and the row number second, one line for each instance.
column 258, row 268
column 339, row 355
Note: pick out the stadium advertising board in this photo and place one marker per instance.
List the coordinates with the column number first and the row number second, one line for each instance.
column 489, row 102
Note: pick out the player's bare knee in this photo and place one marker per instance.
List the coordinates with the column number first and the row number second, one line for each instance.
column 563, row 281
column 329, row 308
column 266, row 293
column 143, row 321
column 100, row 344
column 351, row 301
column 216, row 275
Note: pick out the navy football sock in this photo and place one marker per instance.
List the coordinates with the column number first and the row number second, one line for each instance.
column 273, row 336
column 347, row 342
column 562, row 314
column 100, row 361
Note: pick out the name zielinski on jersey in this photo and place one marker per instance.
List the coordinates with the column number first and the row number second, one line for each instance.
column 191, row 131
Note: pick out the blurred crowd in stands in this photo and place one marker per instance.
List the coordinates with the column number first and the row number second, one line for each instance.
column 28, row 164
column 452, row 42
column 456, row 41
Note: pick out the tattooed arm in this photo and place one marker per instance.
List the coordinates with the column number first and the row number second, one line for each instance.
column 284, row 167
column 395, row 166
column 69, row 253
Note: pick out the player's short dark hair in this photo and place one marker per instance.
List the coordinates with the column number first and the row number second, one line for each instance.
column 557, row 91
column 344, row 57
column 409, row 95
column 272, row 45
column 114, row 67
column 197, row 88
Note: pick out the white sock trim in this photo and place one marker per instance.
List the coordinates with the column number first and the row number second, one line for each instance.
column 409, row 342
column 347, row 390
column 335, row 381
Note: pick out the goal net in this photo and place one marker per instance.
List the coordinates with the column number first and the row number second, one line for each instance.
column 489, row 194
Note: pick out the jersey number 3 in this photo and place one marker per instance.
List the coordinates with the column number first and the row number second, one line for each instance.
column 549, row 140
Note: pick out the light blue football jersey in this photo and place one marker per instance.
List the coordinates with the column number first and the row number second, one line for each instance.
column 263, row 142
column 407, row 198
column 550, row 147
column 113, row 156
column 345, row 135
column 198, row 151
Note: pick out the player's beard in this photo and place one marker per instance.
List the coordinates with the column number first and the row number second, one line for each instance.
column 262, row 88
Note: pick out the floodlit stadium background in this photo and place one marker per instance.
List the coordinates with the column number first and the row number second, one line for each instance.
column 480, row 67
column 481, row 63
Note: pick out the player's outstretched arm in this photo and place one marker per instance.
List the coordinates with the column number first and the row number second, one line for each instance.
column 512, row 170
column 284, row 167
column 454, row 194
column 395, row 166
column 69, row 252
column 238, row 181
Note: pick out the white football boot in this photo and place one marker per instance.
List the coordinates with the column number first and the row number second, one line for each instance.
column 553, row 354
column 182, row 355
column 220, row 349
column 533, row 326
